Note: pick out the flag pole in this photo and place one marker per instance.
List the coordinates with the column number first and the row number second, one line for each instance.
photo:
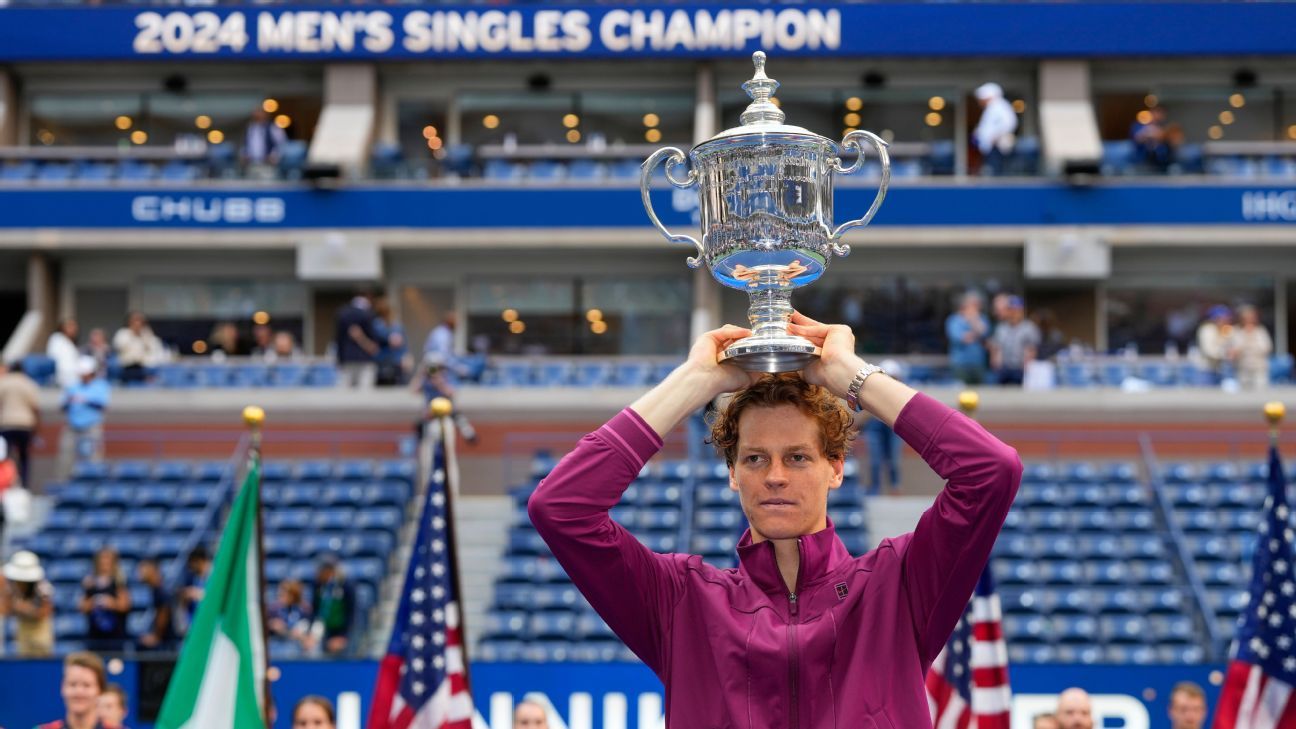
column 1274, row 412
column 442, row 409
column 254, row 419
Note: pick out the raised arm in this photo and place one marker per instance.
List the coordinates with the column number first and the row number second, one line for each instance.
column 944, row 557
column 631, row 587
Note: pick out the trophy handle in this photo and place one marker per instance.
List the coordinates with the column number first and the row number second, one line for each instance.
column 853, row 140
column 672, row 156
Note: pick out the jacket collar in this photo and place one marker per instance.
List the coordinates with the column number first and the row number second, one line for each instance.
column 821, row 553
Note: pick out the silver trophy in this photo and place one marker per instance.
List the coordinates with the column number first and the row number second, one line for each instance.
column 765, row 197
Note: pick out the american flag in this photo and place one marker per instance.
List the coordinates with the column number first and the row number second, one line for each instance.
column 422, row 680
column 1262, row 668
column 967, row 685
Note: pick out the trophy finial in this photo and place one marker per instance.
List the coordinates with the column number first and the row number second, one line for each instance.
column 761, row 89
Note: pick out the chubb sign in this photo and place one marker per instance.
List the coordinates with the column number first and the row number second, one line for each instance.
column 205, row 209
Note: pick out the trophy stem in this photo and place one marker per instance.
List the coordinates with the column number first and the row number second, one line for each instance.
column 769, row 312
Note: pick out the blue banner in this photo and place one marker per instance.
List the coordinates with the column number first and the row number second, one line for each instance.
column 300, row 207
column 616, row 695
column 1066, row 29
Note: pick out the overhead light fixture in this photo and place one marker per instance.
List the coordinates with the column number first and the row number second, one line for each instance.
column 270, row 106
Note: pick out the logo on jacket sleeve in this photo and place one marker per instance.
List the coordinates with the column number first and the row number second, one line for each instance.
column 842, row 590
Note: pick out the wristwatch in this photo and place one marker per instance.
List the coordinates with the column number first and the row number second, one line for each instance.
column 853, row 391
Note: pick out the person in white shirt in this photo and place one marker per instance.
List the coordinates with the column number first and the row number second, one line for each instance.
column 995, row 134
column 62, row 348
column 137, row 348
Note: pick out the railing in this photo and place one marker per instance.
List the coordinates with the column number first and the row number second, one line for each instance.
column 1187, row 563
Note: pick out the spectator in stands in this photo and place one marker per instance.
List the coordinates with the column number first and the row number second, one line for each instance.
column 19, row 416
column 160, row 634
column 289, row 616
column 84, row 405
column 1075, row 710
column 1156, row 140
column 995, row 133
column 313, row 712
column 1052, row 340
column 967, row 330
column 113, row 707
column 1187, row 706
column 284, row 348
column 97, row 346
column 224, row 341
column 137, row 349
column 1213, row 336
column 263, row 142
column 105, row 602
column 393, row 353
column 530, row 715
column 440, row 340
column 62, row 348
column 193, row 583
column 1249, row 347
column 1014, row 345
column 999, row 306
column 333, row 606
column 1045, row 721
column 883, row 445
column 262, row 341
column 357, row 342
column 29, row 598
column 434, row 382
column 84, row 680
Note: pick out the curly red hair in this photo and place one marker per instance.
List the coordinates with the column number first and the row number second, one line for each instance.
column 836, row 423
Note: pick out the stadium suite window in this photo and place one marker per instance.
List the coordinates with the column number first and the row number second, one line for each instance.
column 889, row 314
column 902, row 115
column 595, row 315
column 585, row 117
column 1201, row 114
column 1155, row 313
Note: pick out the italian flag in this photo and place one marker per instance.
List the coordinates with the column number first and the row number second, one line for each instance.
column 219, row 681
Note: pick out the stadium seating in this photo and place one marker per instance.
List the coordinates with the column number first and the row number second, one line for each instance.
column 350, row 508
column 673, row 506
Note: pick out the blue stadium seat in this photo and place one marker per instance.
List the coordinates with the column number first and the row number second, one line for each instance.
column 730, row 519
column 1165, row 601
column 659, row 494
column 362, row 570
column 110, row 495
column 631, row 374
column 314, row 471
column 280, row 546
column 183, row 520
column 321, row 375
column 100, row 520
column 659, row 518
column 54, row 173
column 18, row 171
column 165, row 546
column 338, row 494
column 282, row 520
column 507, row 624
column 136, row 171
column 709, row 495
column 396, row 471
column 501, row 650
column 222, row 160
column 67, row 570
column 388, row 493
column 179, row 171
column 194, row 496
column 547, row 171
column 90, row 471
column 1075, row 629
column 1014, row 572
column 286, row 375
column 714, row 543
column 154, row 495
column 355, row 470
column 336, row 519
column 548, row 651
column 663, row 542
column 210, row 471
column 526, row 541
column 1059, row 572
column 141, row 520
column 1186, row 654
column 1118, row 157
column 378, row 518
column 292, row 159
column 63, row 519
column 552, row 625
column 1125, row 629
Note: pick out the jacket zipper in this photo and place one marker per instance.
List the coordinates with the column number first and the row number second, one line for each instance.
column 794, row 667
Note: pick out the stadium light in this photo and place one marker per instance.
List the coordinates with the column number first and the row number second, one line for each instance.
column 573, row 135
column 509, row 315
column 490, row 121
column 1215, row 132
column 139, row 136
column 517, row 327
column 270, row 106
column 1291, row 132
column 598, row 327
column 1226, row 117
column 594, row 315
column 571, row 121
column 123, row 122
column 429, row 132
column 852, row 119
column 1019, row 106
column 1144, row 117
column 1237, row 101
column 854, row 103
column 203, row 122
column 215, row 136
column 1150, row 100
column 936, row 103
column 933, row 119
column 261, row 317
column 653, row 135
column 283, row 121
column 651, row 120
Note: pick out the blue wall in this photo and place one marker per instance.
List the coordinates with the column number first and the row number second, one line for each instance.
column 1035, row 203
column 29, row 689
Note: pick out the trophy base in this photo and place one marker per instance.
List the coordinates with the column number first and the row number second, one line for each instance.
column 782, row 353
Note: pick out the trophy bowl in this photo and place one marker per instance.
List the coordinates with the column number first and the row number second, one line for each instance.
column 765, row 196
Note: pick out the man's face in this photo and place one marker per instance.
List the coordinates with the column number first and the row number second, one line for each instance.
column 80, row 690
column 1187, row 711
column 781, row 473
column 1074, row 711
column 111, row 712
column 530, row 716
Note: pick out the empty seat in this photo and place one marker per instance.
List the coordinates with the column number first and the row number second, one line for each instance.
column 131, row 471
column 170, row 471
column 378, row 518
column 552, row 625
column 143, row 519
column 355, row 470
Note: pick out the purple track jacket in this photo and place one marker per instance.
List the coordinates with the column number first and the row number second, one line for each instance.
column 848, row 650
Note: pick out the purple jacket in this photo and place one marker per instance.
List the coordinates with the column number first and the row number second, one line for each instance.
column 849, row 650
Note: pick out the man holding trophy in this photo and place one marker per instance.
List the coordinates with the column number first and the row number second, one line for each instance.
column 801, row 634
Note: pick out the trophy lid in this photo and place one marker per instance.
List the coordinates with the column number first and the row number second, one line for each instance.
column 762, row 116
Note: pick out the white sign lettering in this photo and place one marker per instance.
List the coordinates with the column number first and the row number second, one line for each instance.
column 195, row 209
column 489, row 31
column 1269, row 207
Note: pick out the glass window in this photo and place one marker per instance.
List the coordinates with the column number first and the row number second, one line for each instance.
column 187, row 315
column 560, row 315
column 1195, row 114
column 1156, row 313
column 902, row 115
column 588, row 117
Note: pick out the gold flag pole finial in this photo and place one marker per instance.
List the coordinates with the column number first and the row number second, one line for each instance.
column 254, row 418
column 440, row 407
column 968, row 401
column 1274, row 412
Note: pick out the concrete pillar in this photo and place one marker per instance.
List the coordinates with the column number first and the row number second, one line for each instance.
column 706, row 291
column 1068, row 125
column 42, row 294
column 346, row 126
column 8, row 110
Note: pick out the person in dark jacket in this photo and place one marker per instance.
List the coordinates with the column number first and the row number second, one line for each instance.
column 357, row 342
column 801, row 634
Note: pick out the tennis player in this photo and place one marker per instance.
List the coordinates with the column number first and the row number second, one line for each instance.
column 801, row 635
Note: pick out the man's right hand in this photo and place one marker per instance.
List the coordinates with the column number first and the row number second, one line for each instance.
column 696, row 382
column 704, row 361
